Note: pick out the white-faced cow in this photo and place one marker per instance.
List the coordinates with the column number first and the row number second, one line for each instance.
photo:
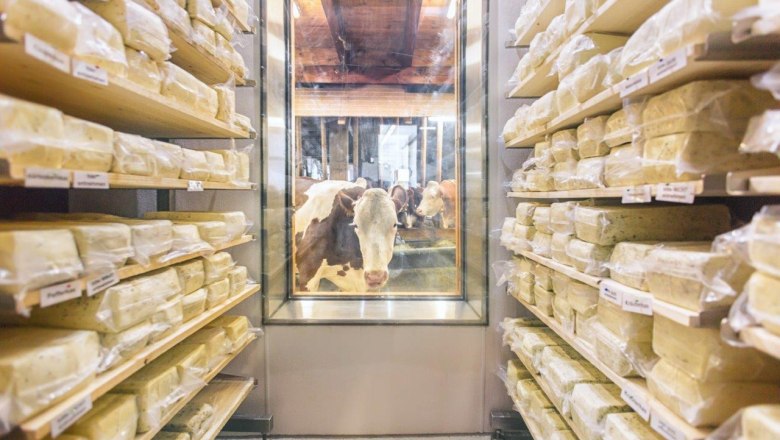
column 343, row 233
column 439, row 198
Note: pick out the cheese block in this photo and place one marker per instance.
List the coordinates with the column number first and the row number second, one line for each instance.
column 541, row 149
column 218, row 172
column 42, row 366
column 194, row 165
column 141, row 29
column 112, row 417
column 609, row 225
column 533, row 344
column 156, row 390
column 506, row 239
column 575, row 13
column 763, row 246
column 523, row 236
column 168, row 159
column 543, row 276
column 563, row 145
column 531, row 397
column 202, row 11
column 582, row 297
column 701, row 353
column 173, row 15
column 564, row 374
column 227, row 103
column 542, row 111
column 172, row 436
column 623, row 166
column 564, row 176
column 217, row 344
column 218, row 292
column 590, row 405
column 529, row 13
column 626, row 356
column 763, row 300
column 186, row 239
column 539, row 180
column 705, row 403
column 590, row 173
column 115, row 309
column 55, row 22
column 548, row 356
column 543, row 299
column 187, row 91
column 695, row 278
column 590, row 137
column 551, row 422
column 167, row 318
column 32, row 134
column 92, row 145
column 191, row 275
column 515, row 371
column 541, row 219
column 118, row 347
column 241, row 10
column 524, row 289
column 562, row 216
column 101, row 246
column 510, row 130
column 194, row 304
column 626, row 325
column 761, row 422
column 99, row 43
column 558, row 248
column 628, row 426
column 238, row 278
column 213, row 232
column 585, row 82
column 541, row 243
column 133, row 155
column 626, row 264
column 563, row 313
column 560, row 283
column 223, row 27
column 524, row 213
column 236, row 221
column 189, row 359
column 33, row 259
column 581, row 48
column 230, row 56
column 143, row 71
column 760, row 135
column 195, row 419
column 204, row 36
column 583, row 327
column 589, row 258
column 563, row 435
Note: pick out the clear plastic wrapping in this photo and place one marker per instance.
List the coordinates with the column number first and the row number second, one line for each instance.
column 524, row 212
column 560, row 283
column 528, row 15
column 589, row 258
column 235, row 221
column 581, row 48
column 223, row 27
column 563, row 374
column 143, row 71
column 203, row 11
column 194, row 304
column 226, row 97
column 542, row 111
column 217, row 293
column 762, row 134
column 564, row 175
column 238, row 330
column 168, row 317
column 174, row 16
column 168, row 159
column 763, row 240
column 115, row 348
column 541, row 244
column 541, row 219
column 112, row 417
column 192, row 275
column 628, row 426
column 626, row 264
column 763, row 300
column 590, row 405
column 590, row 137
column 218, row 172
column 626, row 356
column 230, row 56
column 55, row 22
column 141, row 29
column 587, row 81
column 507, row 227
column 623, row 166
column 563, row 313
column 543, row 276
column 92, row 145
column 543, row 299
column 624, row 324
column 216, row 341
column 510, row 130
column 188, row 91
column 558, row 248
column 590, row 173
column 194, row 165
column 133, row 155
column 99, row 43
column 204, row 36
column 563, row 146
column 522, row 238
column 769, row 80
column 186, row 239
column 539, row 180
column 562, row 215
column 576, row 12
column 582, row 297
column 31, row 134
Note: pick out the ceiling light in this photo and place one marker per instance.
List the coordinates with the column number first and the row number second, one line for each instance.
column 451, row 10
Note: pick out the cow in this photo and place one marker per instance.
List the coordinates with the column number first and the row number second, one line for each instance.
column 344, row 233
column 439, row 198
column 406, row 202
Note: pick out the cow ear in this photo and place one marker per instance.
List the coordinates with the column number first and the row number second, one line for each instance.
column 347, row 203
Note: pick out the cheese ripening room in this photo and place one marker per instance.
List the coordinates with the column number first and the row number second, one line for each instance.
column 439, row 219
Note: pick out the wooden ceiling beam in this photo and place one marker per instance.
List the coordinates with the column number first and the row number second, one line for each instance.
column 438, row 76
column 406, row 52
column 338, row 31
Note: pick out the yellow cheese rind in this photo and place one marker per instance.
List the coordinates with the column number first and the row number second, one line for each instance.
column 156, row 389
column 581, row 48
column 589, row 258
column 33, row 259
column 238, row 279
column 191, row 274
column 112, row 417
column 591, row 403
column 118, row 347
column 133, row 155
column 92, row 145
column 143, row 71
column 141, row 29
column 32, row 134
column 590, row 137
column 194, row 304
column 99, row 43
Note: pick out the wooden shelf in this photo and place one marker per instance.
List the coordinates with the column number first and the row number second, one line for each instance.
column 197, row 61
column 121, row 105
column 33, row 298
column 536, row 434
column 240, row 25
column 540, row 81
column 622, row 16
column 634, row 387
column 39, row 426
column 227, row 394
column 762, row 339
column 149, row 435
column 550, row 9
column 564, row 269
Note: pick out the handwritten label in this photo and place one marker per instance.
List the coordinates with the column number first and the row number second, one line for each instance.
column 70, row 416
column 194, row 185
column 637, row 194
column 90, row 180
column 668, row 65
column 682, row 192
column 102, row 282
column 634, row 83
column 44, row 52
column 664, row 428
column 90, row 72
column 610, row 294
column 46, row 178
column 638, row 303
column 637, row 403
column 61, row 292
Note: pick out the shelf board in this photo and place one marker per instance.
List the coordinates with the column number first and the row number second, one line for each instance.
column 540, row 81
column 550, row 9
column 533, row 429
column 564, row 269
column 39, row 426
column 611, row 17
column 149, row 435
column 121, row 105
column 33, row 298
column 227, row 396
column 199, row 62
column 762, row 339
column 636, row 387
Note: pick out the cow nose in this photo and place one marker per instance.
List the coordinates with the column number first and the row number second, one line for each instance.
column 376, row 278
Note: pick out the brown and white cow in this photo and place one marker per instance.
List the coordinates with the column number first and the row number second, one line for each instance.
column 343, row 233
column 439, row 198
column 406, row 202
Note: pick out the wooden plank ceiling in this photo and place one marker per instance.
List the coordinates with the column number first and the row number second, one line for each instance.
column 385, row 42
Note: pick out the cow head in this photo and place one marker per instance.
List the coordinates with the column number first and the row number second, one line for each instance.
column 375, row 224
column 432, row 202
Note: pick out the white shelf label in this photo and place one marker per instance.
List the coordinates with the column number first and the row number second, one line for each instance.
column 634, row 83
column 642, row 304
column 637, row 403
column 61, row 292
column 668, row 65
column 637, row 194
column 90, row 72
column 46, row 178
column 90, row 180
column 194, row 185
column 70, row 416
column 609, row 294
column 667, row 430
column 102, row 282
column 44, row 52
column 681, row 192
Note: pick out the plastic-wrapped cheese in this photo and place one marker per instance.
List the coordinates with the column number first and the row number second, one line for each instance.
column 590, row 405
column 510, row 130
column 575, row 14
column 583, row 327
column 515, row 371
column 204, row 36
column 33, row 259
column 763, row 291
column 191, row 275
column 156, row 389
column 626, row 264
column 218, row 292
column 534, row 342
column 238, row 279
column 542, row 111
column 628, row 426
column 99, row 43
column 558, row 248
column 42, row 366
column 582, row 297
column 189, row 359
column 167, row 318
column 590, row 137
column 585, row 82
column 623, row 166
column 55, row 22
column 229, row 55
column 133, row 155
column 523, row 236
column 112, row 417
column 562, row 216
column 172, row 436
column 143, row 71
column 507, row 227
column 92, row 145
column 202, row 10
column 539, row 180
column 563, row 313
column 543, row 276
column 31, row 134
column 173, row 14
column 550, row 422
column 194, row 304
column 194, row 165
column 626, row 356
column 541, row 219
column 560, row 283
column 213, row 232
column 186, row 239
column 589, row 258
column 195, row 419
column 237, row 330
column 141, row 29
column 168, row 159
column 763, row 243
column 581, row 48
column 626, row 325
column 761, row 422
column 117, row 347
column 188, row 91
column 705, row 403
column 236, row 221
column 609, row 225
column 701, row 353
column 223, row 27
column 218, row 172
column 563, row 145
column 217, row 344
column 227, row 103
column 541, row 243
column 564, row 374
column 553, row 353
column 564, row 176
column 590, row 173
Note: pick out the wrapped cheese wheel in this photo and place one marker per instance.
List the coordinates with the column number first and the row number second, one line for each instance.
column 543, row 276
column 542, row 111
column 563, row 313
column 189, row 359
column 590, row 173
column 564, row 374
column 564, row 176
column 141, row 29
column 223, row 27
column 195, row 419
column 550, row 422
